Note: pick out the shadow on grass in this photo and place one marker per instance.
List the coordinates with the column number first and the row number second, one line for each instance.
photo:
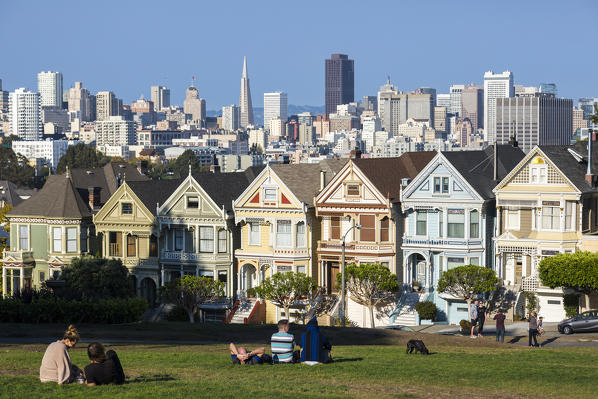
column 549, row 341
column 347, row 359
column 151, row 378
column 516, row 339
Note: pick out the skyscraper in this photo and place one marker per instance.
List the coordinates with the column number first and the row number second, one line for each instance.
column 24, row 114
column 549, row 88
column 80, row 101
column 245, row 106
column 231, row 116
column 534, row 119
column 275, row 106
column 194, row 105
column 472, row 106
column 395, row 109
column 107, row 105
column 160, row 96
column 496, row 85
column 49, row 86
column 340, row 81
column 455, row 95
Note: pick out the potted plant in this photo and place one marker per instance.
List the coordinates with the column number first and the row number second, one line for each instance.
column 416, row 286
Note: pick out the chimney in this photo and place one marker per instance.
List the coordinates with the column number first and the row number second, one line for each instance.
column 322, row 179
column 495, row 162
column 356, row 153
column 215, row 168
column 589, row 175
column 93, row 197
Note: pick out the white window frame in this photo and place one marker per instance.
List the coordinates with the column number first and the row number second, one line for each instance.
column 300, row 238
column 270, row 194
column 553, row 216
column 206, row 239
column 284, row 239
column 222, row 241
column 23, row 228
column 509, row 213
column 56, row 240
column 570, row 215
column 479, row 223
column 254, row 237
column 71, row 240
column 538, row 174
column 426, row 221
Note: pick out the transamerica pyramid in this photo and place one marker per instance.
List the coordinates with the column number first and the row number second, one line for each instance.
column 245, row 98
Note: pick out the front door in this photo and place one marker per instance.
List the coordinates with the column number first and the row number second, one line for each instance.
column 333, row 271
column 518, row 269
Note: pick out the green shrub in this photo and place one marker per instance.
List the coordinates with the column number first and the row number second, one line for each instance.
column 47, row 309
column 178, row 313
column 465, row 326
column 571, row 304
column 251, row 293
column 426, row 310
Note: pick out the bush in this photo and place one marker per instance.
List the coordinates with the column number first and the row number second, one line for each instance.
column 48, row 309
column 571, row 304
column 178, row 313
column 98, row 278
column 427, row 310
column 251, row 293
column 465, row 326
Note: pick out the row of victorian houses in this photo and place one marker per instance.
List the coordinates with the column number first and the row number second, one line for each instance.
column 419, row 214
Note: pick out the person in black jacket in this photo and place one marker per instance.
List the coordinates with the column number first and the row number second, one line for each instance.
column 105, row 367
column 481, row 317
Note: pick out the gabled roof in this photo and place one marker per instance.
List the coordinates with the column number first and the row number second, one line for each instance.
column 224, row 188
column 386, row 173
column 59, row 198
column 303, row 179
column 477, row 167
column 574, row 169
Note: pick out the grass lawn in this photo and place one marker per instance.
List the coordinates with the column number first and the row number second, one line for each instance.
column 459, row 367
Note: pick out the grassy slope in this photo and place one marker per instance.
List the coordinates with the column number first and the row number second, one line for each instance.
column 458, row 368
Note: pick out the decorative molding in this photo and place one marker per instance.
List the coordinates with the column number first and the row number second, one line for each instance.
column 46, row 221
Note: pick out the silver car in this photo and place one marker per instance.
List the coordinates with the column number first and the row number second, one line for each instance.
column 583, row 322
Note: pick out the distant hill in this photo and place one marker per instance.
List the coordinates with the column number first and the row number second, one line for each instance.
column 258, row 112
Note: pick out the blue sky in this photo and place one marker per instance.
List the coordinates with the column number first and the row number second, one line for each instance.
column 127, row 45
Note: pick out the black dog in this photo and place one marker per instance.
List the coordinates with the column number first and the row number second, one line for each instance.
column 418, row 346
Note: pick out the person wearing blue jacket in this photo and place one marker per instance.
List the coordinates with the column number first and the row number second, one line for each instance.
column 315, row 346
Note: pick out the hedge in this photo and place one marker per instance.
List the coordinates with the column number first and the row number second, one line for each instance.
column 427, row 310
column 59, row 310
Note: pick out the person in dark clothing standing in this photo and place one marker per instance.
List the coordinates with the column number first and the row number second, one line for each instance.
column 500, row 326
column 105, row 367
column 314, row 345
column 533, row 329
column 481, row 317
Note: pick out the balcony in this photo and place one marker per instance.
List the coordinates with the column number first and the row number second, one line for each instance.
column 438, row 242
column 374, row 248
column 180, row 256
column 18, row 256
column 291, row 251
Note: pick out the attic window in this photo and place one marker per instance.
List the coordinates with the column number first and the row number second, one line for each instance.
column 353, row 190
column 127, row 208
column 193, row 202
column 270, row 194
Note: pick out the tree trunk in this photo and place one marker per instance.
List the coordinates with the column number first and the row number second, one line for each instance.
column 286, row 313
column 191, row 316
column 371, row 307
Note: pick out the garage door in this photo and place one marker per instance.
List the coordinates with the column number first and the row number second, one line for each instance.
column 551, row 307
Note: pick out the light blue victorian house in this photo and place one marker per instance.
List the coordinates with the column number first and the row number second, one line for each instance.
column 450, row 216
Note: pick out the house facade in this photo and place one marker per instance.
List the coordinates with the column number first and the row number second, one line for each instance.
column 362, row 204
column 547, row 205
column 279, row 231
column 449, row 221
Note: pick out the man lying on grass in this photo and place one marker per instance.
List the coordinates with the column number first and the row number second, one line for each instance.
column 241, row 356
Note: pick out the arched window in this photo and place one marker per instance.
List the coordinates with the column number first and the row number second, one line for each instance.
column 384, row 225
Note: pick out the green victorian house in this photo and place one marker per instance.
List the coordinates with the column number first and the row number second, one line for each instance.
column 55, row 225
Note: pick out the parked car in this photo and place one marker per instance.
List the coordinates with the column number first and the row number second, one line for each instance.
column 584, row 322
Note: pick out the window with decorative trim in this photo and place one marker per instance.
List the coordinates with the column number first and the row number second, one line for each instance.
column 300, row 235
column 538, row 171
column 570, row 215
column 353, row 190
column 384, row 229
column 456, row 223
column 335, row 228
column 56, row 239
column 222, row 241
column 71, row 239
column 23, row 237
column 126, row 208
column 367, row 233
column 270, row 194
column 440, row 223
column 512, row 219
column 206, row 239
column 193, row 202
column 131, row 245
column 421, row 221
column 474, row 224
column 254, row 233
column 551, row 216
column 283, row 233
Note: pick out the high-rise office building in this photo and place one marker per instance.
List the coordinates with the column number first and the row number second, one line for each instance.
column 3, row 101
column 194, row 106
column 245, row 106
column 231, row 117
column 340, row 81
column 107, row 105
column 587, row 106
column 455, row 94
column 385, row 91
column 49, row 86
column 369, row 103
column 496, row 85
column 538, row 119
column 160, row 96
column 276, row 105
column 443, row 100
column 549, row 88
column 578, row 121
column 395, row 109
column 80, row 101
column 521, row 90
column 472, row 106
column 426, row 90
column 440, row 119
column 25, row 114
column 115, row 131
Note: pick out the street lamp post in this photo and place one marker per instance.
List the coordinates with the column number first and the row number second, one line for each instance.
column 342, row 307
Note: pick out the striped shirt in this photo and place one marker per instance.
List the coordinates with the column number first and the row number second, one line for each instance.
column 283, row 345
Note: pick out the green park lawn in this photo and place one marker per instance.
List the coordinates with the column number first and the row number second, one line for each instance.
column 373, row 366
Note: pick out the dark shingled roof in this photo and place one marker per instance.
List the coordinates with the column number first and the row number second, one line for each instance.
column 303, row 179
column 574, row 169
column 8, row 193
column 386, row 173
column 477, row 167
column 153, row 192
column 59, row 199
column 224, row 188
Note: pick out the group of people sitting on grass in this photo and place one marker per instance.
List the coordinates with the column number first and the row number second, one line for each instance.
column 104, row 367
column 315, row 347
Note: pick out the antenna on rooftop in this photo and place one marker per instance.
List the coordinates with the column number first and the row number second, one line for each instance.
column 192, row 81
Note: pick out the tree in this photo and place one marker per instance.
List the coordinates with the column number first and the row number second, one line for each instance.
column 14, row 168
column 467, row 282
column 96, row 278
column 285, row 289
column 190, row 292
column 5, row 225
column 369, row 285
column 577, row 271
column 180, row 166
column 7, row 141
column 81, row 156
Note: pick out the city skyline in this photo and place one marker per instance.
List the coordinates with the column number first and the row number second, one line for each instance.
column 303, row 77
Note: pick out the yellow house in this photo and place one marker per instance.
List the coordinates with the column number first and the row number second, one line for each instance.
column 279, row 230
column 545, row 206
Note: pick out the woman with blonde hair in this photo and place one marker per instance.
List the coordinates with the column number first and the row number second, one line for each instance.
column 56, row 364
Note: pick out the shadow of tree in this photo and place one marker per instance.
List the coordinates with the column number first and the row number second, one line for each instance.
column 347, row 359
column 151, row 378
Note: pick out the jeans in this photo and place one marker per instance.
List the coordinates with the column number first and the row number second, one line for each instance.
column 532, row 334
column 500, row 333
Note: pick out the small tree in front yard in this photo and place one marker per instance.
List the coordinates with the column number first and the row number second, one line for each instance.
column 190, row 292
column 285, row 289
column 467, row 282
column 369, row 285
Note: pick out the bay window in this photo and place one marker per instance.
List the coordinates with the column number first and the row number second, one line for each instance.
column 300, row 237
column 474, row 224
column 456, row 223
column 283, row 233
column 23, row 237
column 206, row 239
column 254, row 233
column 384, row 224
column 56, row 239
column 551, row 216
column 368, row 228
column 421, row 220
column 335, row 228
column 221, row 240
column 71, row 239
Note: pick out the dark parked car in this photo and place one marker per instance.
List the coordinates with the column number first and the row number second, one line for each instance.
column 584, row 322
